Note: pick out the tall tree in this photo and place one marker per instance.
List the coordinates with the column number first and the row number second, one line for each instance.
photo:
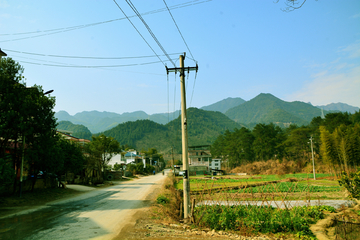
column 25, row 113
column 103, row 148
column 267, row 140
column 296, row 143
column 234, row 146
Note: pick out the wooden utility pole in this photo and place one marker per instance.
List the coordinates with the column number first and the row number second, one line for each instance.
column 185, row 158
column 172, row 160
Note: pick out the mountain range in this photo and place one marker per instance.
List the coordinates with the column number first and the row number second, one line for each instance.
column 264, row 108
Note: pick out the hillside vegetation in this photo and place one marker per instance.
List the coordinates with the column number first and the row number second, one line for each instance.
column 203, row 128
column 265, row 108
column 78, row 130
column 335, row 142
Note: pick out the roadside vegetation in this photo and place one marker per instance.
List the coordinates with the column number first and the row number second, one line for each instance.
column 250, row 220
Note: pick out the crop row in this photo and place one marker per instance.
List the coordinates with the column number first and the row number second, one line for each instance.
column 254, row 219
column 287, row 187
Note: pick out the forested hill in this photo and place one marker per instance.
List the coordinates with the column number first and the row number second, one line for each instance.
column 78, row 130
column 131, row 133
column 265, row 108
column 224, row 105
column 203, row 128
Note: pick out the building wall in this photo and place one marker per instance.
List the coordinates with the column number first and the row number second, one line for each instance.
column 116, row 159
column 216, row 164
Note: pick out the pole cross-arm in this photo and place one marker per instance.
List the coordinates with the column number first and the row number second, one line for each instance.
column 176, row 69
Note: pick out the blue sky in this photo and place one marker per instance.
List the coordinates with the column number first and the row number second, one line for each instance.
column 243, row 48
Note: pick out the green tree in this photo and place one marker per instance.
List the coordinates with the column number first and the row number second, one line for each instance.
column 296, row 144
column 266, row 142
column 25, row 114
column 333, row 120
column 351, row 182
column 234, row 146
column 103, row 149
column 341, row 148
column 73, row 157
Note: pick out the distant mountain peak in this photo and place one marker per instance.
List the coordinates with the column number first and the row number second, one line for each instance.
column 224, row 105
column 343, row 107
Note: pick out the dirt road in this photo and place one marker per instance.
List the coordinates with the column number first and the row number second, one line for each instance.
column 99, row 214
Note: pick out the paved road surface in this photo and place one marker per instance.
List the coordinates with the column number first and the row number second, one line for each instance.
column 98, row 214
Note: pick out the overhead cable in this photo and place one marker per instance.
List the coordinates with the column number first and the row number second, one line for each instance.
column 66, row 29
column 139, row 32
column 178, row 29
column 82, row 66
column 82, row 57
column 132, row 6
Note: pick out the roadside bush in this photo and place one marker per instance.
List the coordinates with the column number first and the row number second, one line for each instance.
column 117, row 167
column 351, row 182
column 161, row 199
column 149, row 169
column 136, row 168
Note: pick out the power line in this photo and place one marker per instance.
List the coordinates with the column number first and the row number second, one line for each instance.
column 82, row 57
column 178, row 28
column 149, row 29
column 138, row 32
column 82, row 66
column 66, row 29
column 192, row 94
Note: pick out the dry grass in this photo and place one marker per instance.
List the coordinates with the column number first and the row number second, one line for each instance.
column 168, row 210
column 280, row 167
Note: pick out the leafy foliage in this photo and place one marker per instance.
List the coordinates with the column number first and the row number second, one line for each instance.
column 26, row 120
column 341, row 149
column 351, row 182
column 161, row 199
column 103, row 148
column 235, row 146
column 138, row 168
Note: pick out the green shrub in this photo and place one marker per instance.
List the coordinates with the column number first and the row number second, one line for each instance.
column 161, row 199
column 352, row 183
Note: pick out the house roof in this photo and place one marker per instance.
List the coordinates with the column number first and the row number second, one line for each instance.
column 130, row 154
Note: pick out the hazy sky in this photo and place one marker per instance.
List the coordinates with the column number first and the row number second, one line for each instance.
column 243, row 48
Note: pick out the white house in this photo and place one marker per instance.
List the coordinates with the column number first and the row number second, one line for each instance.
column 215, row 164
column 117, row 159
